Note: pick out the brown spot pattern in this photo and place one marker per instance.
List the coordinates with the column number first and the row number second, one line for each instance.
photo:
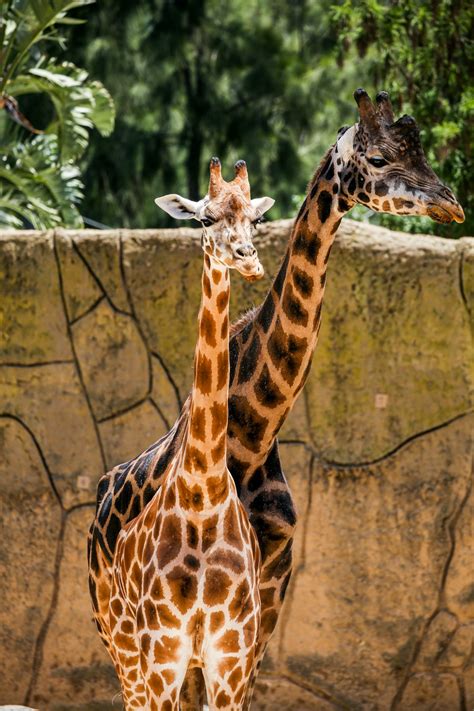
column 222, row 300
column 198, row 423
column 208, row 328
column 183, row 586
column 209, row 532
column 203, row 375
column 216, row 586
column 218, row 451
column 232, row 528
column 170, row 543
column 195, row 460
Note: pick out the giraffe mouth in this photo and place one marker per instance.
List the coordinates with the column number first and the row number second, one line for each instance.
column 445, row 215
column 250, row 270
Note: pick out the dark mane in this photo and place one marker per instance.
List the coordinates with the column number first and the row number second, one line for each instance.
column 242, row 321
column 319, row 169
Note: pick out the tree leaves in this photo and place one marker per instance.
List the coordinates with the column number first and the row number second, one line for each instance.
column 35, row 189
column 79, row 105
column 39, row 178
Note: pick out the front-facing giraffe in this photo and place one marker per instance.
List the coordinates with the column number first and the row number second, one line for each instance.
column 185, row 581
column 379, row 163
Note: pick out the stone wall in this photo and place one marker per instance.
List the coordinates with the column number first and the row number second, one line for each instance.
column 97, row 333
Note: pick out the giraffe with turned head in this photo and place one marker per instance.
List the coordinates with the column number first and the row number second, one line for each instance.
column 379, row 163
column 185, row 581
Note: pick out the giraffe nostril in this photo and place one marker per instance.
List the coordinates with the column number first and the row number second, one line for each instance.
column 246, row 250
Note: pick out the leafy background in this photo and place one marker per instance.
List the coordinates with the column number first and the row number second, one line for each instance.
column 268, row 81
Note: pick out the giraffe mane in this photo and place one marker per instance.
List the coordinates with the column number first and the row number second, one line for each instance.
column 319, row 169
column 242, row 321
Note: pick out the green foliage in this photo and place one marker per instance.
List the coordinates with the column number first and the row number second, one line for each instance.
column 423, row 53
column 194, row 79
column 35, row 188
column 39, row 178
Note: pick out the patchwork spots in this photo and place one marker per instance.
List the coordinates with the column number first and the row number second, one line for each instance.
column 249, row 360
column 303, row 282
column 324, row 205
column 216, row 586
column 170, row 544
column 293, row 307
column 198, row 423
column 287, row 352
column 217, row 488
column 266, row 391
column 195, row 460
column 183, row 588
column 246, row 423
column 208, row 327
column 219, row 418
column 232, row 534
column 308, row 245
column 227, row 559
column 203, row 374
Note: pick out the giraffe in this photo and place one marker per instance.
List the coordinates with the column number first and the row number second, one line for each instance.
column 185, row 578
column 378, row 162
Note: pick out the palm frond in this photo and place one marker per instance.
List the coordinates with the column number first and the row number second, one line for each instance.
column 35, row 189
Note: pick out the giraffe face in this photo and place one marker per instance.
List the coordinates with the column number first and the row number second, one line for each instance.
column 228, row 217
column 385, row 168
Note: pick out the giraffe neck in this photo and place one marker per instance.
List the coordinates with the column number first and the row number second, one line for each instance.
column 205, row 445
column 277, row 346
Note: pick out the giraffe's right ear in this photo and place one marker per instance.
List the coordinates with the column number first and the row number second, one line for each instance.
column 178, row 207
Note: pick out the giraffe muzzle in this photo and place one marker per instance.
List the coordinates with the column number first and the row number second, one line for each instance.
column 445, row 212
column 246, row 261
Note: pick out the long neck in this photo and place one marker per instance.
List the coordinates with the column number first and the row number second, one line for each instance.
column 205, row 448
column 275, row 349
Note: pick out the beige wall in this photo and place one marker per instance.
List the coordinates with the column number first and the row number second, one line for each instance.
column 97, row 333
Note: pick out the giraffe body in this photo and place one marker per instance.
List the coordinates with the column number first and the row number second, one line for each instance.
column 197, row 608
column 186, row 570
column 379, row 163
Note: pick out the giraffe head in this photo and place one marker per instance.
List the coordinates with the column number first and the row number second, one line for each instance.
column 228, row 216
column 382, row 165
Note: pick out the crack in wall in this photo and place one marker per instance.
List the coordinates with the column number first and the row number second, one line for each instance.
column 38, row 364
column 98, row 281
column 15, row 418
column 123, row 411
column 42, row 635
column 88, row 311
column 441, row 602
column 160, row 413
column 150, row 352
column 41, row 638
column 170, row 378
column 288, row 604
column 328, row 463
column 76, row 360
column 461, row 284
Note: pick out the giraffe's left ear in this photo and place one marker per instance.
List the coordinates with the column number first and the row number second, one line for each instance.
column 261, row 205
column 178, row 207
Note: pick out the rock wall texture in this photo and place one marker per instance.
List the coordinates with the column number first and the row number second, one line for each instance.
column 97, row 333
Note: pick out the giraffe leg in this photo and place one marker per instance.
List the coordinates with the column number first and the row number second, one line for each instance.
column 193, row 692
column 164, row 661
column 229, row 662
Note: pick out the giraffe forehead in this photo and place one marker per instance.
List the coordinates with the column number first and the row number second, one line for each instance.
column 230, row 205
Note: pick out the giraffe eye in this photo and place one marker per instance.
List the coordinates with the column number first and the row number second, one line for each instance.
column 258, row 221
column 377, row 161
column 206, row 221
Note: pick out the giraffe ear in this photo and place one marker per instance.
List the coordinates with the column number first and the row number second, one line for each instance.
column 178, row 207
column 261, row 205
